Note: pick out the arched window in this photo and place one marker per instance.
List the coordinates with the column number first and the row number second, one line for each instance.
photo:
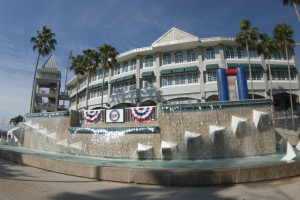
column 210, row 54
column 252, row 53
column 191, row 56
column 241, row 53
column 166, row 59
column 149, row 61
column 178, row 57
column 125, row 67
column 133, row 65
column 229, row 53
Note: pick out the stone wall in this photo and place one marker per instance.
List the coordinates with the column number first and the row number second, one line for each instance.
column 52, row 134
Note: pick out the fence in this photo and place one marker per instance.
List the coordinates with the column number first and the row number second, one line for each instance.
column 128, row 118
column 283, row 119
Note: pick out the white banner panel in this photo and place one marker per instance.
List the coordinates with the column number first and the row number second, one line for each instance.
column 114, row 116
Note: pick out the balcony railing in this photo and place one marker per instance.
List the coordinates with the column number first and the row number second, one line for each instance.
column 46, row 105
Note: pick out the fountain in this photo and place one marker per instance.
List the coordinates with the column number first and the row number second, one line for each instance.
column 186, row 144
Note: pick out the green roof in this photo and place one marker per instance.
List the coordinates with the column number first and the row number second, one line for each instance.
column 129, row 77
column 245, row 65
column 281, row 67
column 212, row 66
column 72, row 97
column 113, row 81
column 166, row 71
column 191, row 69
column 120, row 79
column 81, row 91
column 97, row 85
column 147, row 74
column 178, row 70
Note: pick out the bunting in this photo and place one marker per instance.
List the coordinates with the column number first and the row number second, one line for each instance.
column 141, row 113
column 91, row 115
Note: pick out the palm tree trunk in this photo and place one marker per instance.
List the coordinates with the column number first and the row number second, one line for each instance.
column 271, row 79
column 102, row 89
column 296, row 10
column 250, row 71
column 32, row 92
column 87, row 91
column 290, row 83
column 77, row 92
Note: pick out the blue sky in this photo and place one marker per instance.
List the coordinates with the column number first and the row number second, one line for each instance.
column 124, row 24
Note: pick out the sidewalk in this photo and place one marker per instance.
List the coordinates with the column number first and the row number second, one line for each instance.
column 23, row 182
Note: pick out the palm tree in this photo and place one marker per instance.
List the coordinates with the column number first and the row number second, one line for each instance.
column 90, row 63
column 44, row 43
column 108, row 59
column 247, row 38
column 77, row 66
column 293, row 3
column 16, row 120
column 266, row 47
column 283, row 35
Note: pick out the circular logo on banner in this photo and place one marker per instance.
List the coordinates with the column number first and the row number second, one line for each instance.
column 114, row 115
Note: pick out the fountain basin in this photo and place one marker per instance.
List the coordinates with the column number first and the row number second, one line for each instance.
column 158, row 176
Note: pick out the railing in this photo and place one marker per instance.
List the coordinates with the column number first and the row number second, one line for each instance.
column 64, row 93
column 46, row 105
column 283, row 119
column 128, row 118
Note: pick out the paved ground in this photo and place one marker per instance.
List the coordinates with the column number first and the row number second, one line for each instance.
column 23, row 182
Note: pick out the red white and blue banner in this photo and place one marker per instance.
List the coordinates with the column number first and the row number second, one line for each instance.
column 91, row 115
column 141, row 113
column 114, row 116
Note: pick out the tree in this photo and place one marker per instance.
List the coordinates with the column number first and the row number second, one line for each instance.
column 90, row 62
column 77, row 66
column 44, row 43
column 293, row 3
column 107, row 59
column 247, row 38
column 267, row 47
column 16, row 120
column 283, row 35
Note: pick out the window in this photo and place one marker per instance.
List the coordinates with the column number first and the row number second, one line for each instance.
column 179, row 79
column 178, row 57
column 82, row 83
column 273, row 75
column 167, row 80
column 133, row 65
column 149, row 61
column 148, row 82
column 210, row 54
column 193, row 78
column 241, row 53
column 132, row 85
column 229, row 53
column 100, row 76
column 293, row 75
column 256, row 75
column 252, row 53
column 117, row 70
column 166, row 59
column 125, row 67
column 277, row 56
column 94, row 76
column 211, row 76
column 191, row 56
